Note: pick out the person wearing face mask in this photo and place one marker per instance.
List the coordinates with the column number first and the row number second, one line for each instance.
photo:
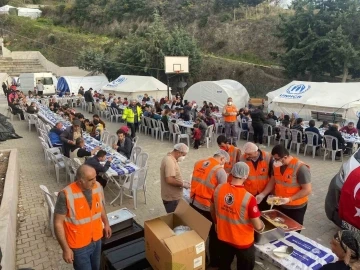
column 235, row 212
column 346, row 246
column 291, row 181
column 172, row 182
column 234, row 152
column 260, row 164
column 230, row 113
column 207, row 175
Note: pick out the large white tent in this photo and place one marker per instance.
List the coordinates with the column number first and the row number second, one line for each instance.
column 134, row 87
column 72, row 83
column 306, row 97
column 217, row 92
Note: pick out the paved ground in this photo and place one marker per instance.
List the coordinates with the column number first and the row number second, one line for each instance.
column 37, row 249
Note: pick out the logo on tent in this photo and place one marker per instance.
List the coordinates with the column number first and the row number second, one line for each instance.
column 298, row 89
column 118, row 81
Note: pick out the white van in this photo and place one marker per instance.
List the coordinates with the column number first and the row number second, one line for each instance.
column 28, row 81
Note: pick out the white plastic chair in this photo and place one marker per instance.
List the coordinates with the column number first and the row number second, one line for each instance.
column 268, row 134
column 50, row 201
column 295, row 135
column 48, row 128
column 209, row 135
column 105, row 136
column 283, row 132
column 69, row 168
column 154, row 128
column 32, row 118
column 59, row 164
column 115, row 114
column 171, row 131
column 47, row 151
column 250, row 131
column 136, row 182
column 135, row 152
column 329, row 147
column 143, row 125
column 179, row 135
column 141, row 159
column 162, row 130
column 148, row 124
column 135, row 140
column 310, row 137
column 112, row 139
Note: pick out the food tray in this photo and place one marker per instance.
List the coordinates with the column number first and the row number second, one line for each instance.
column 277, row 216
column 120, row 219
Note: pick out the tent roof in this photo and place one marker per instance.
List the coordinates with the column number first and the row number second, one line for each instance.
column 73, row 83
column 217, row 92
column 133, row 84
column 29, row 10
column 320, row 94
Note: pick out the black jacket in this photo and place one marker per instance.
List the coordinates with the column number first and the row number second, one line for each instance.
column 257, row 117
column 336, row 134
column 126, row 149
column 88, row 96
column 95, row 163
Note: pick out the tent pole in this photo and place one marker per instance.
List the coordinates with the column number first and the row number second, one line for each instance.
column 168, row 86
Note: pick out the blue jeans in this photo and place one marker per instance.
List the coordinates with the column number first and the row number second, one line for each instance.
column 88, row 258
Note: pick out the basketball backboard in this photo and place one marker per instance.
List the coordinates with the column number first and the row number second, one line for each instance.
column 176, row 64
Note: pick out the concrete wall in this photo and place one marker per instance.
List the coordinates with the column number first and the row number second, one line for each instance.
column 8, row 212
column 48, row 65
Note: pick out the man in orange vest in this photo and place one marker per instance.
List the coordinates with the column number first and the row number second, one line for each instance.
column 230, row 113
column 79, row 218
column 234, row 152
column 291, row 180
column 207, row 175
column 260, row 164
column 235, row 212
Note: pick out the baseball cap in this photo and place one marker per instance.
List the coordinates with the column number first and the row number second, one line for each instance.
column 125, row 129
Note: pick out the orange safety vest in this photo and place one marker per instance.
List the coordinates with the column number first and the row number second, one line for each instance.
column 204, row 181
column 286, row 185
column 233, row 152
column 259, row 177
column 231, row 207
column 230, row 109
column 82, row 224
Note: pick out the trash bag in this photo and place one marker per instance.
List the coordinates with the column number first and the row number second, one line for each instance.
column 7, row 130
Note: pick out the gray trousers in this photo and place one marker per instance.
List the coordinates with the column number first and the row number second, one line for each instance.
column 230, row 130
column 90, row 107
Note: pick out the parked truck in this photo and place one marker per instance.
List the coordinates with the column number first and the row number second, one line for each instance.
column 27, row 82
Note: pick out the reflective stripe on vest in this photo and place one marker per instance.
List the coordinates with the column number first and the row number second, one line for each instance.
column 286, row 184
column 200, row 195
column 234, row 225
column 233, row 151
column 83, row 222
column 259, row 177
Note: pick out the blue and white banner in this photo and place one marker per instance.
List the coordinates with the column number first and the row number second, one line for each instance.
column 117, row 82
column 307, row 255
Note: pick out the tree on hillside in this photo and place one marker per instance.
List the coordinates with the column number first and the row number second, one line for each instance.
column 144, row 55
column 320, row 38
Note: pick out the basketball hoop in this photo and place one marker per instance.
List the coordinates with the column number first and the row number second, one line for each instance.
column 178, row 71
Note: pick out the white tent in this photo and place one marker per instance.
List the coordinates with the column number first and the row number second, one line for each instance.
column 72, row 83
column 306, row 97
column 5, row 9
column 134, row 87
column 29, row 12
column 217, row 92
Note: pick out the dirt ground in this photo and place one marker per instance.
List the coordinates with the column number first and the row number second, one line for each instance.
column 4, row 159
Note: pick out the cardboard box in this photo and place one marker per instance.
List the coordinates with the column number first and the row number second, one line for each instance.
column 167, row 251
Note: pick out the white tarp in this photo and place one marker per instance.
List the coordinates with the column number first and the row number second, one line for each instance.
column 72, row 83
column 304, row 97
column 29, row 12
column 132, row 86
column 217, row 92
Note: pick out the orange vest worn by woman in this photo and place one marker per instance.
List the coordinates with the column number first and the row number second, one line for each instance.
column 82, row 224
column 204, row 182
column 233, row 223
column 230, row 109
column 259, row 177
column 286, row 185
column 233, row 152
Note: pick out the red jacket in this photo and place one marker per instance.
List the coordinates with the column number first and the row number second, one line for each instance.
column 197, row 134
